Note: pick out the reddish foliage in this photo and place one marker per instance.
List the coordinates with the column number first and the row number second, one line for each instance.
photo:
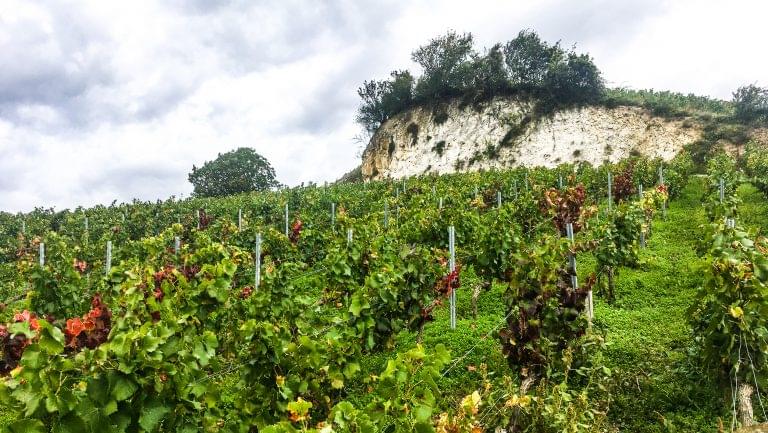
column 296, row 231
column 205, row 219
column 662, row 188
column 443, row 287
column 80, row 266
column 246, row 292
column 524, row 329
column 13, row 346
column 623, row 187
column 91, row 330
column 564, row 206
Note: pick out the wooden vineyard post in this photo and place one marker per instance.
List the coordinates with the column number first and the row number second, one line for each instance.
column 23, row 227
column 257, row 262
column 498, row 200
column 108, row 262
column 514, row 188
column 41, row 254
column 452, row 268
column 440, row 203
column 197, row 212
column 239, row 220
column 560, row 181
column 176, row 245
column 349, row 237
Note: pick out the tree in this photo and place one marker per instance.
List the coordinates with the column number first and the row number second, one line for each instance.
column 489, row 76
column 240, row 170
column 383, row 99
column 446, row 65
column 574, row 80
column 751, row 104
column 528, row 60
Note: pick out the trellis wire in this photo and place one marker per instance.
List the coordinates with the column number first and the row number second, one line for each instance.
column 754, row 376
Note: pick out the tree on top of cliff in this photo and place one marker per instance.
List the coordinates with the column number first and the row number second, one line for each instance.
column 525, row 66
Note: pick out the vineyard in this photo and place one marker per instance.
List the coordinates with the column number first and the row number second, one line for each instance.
column 625, row 297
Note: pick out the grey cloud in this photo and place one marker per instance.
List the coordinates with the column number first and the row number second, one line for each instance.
column 53, row 67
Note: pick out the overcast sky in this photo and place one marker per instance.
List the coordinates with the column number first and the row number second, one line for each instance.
column 114, row 100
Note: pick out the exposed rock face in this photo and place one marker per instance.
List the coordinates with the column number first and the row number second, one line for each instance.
column 497, row 134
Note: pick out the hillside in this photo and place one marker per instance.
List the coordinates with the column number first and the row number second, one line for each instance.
column 499, row 133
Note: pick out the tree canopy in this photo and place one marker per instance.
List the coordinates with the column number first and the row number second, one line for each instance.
column 751, row 104
column 234, row 172
column 525, row 66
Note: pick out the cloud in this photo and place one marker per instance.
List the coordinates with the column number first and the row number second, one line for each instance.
column 117, row 100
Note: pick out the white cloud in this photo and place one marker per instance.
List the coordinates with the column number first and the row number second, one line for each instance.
column 114, row 100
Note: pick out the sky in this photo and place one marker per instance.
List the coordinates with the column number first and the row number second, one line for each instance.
column 112, row 100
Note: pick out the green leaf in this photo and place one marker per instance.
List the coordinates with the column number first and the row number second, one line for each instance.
column 422, row 413
column 51, row 338
column 152, row 414
column 26, row 426
column 423, row 427
column 122, row 388
column 358, row 304
column 71, row 423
